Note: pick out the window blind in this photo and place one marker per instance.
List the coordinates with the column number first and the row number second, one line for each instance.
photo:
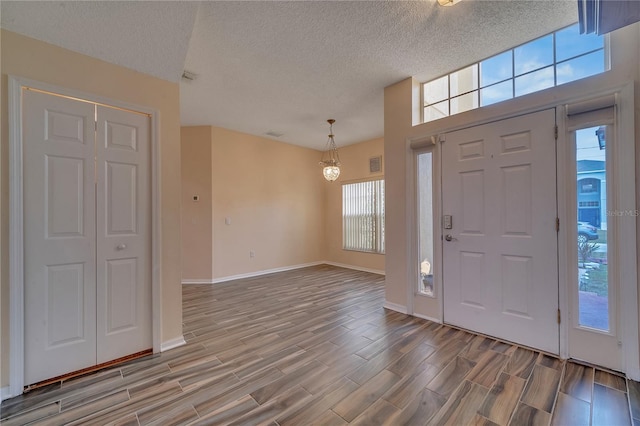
column 363, row 216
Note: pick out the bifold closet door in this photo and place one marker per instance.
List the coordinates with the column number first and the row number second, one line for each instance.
column 87, row 236
column 123, row 234
column 59, row 236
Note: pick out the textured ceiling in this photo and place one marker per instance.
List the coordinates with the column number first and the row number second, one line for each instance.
column 286, row 67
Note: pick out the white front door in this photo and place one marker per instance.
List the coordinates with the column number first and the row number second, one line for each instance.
column 500, row 270
column 86, row 234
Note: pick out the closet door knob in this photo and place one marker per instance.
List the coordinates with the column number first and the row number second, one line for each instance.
column 121, row 247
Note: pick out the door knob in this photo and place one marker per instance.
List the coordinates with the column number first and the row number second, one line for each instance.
column 448, row 237
column 121, row 247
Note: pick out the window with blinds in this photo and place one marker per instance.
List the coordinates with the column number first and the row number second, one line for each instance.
column 363, row 216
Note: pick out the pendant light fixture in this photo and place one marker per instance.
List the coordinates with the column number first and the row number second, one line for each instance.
column 330, row 161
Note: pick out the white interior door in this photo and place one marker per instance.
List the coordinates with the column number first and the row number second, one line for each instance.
column 59, row 236
column 500, row 255
column 123, row 237
column 87, row 234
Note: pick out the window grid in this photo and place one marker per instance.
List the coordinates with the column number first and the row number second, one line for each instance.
column 363, row 216
column 512, row 78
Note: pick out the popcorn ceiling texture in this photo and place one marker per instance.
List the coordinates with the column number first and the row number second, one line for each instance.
column 286, row 67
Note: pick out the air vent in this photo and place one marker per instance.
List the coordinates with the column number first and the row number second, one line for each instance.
column 375, row 164
column 274, row 134
column 188, row 75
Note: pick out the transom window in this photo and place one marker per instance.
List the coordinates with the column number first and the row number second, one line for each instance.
column 548, row 61
column 363, row 216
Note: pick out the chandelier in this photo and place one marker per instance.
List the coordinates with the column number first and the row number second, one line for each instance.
column 330, row 161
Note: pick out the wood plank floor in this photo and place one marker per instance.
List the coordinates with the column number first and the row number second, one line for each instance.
column 314, row 346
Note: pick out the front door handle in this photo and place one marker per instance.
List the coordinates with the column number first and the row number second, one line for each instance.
column 448, row 237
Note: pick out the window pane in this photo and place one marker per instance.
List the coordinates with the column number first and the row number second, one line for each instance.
column 496, row 68
column 436, row 111
column 581, row 67
column 593, row 281
column 464, row 103
column 534, row 55
column 425, row 223
column 535, row 81
column 464, row 81
column 436, row 90
column 496, row 93
column 570, row 43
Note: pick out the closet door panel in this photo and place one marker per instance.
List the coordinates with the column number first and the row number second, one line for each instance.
column 59, row 235
column 123, row 237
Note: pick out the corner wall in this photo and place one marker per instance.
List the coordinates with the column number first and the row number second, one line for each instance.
column 355, row 162
column 195, row 158
column 25, row 57
column 267, row 200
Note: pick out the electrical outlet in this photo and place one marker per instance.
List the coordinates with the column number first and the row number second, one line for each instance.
column 252, row 254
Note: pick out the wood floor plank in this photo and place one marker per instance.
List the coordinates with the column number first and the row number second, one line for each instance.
column 610, row 406
column 180, row 416
column 634, row 398
column 424, row 406
column 33, row 415
column 462, row 406
column 521, row 363
column 488, row 368
column 410, row 386
column 365, row 395
column 451, row 377
column 502, row 399
column 308, row 413
column 571, row 411
column 527, row 415
column 542, row 387
column 577, row 381
column 610, row 380
column 378, row 413
column 229, row 412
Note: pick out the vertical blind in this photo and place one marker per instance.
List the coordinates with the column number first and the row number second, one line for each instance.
column 363, row 216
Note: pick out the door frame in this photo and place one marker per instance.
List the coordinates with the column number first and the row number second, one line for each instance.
column 625, row 122
column 16, row 224
column 626, row 247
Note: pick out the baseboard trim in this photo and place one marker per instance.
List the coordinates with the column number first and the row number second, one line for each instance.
column 188, row 281
column 264, row 272
column 5, row 393
column 395, row 307
column 172, row 343
column 196, row 281
column 428, row 318
column 356, row 268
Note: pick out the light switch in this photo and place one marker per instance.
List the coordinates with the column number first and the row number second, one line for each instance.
column 227, row 221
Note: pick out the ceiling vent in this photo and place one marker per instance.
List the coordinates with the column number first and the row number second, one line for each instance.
column 188, row 75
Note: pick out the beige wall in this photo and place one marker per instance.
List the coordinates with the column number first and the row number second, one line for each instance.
column 355, row 168
column 195, row 158
column 273, row 195
column 29, row 58
column 400, row 108
column 275, row 198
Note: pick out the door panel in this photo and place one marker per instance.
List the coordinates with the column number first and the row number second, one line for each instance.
column 500, row 262
column 59, row 235
column 123, row 238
